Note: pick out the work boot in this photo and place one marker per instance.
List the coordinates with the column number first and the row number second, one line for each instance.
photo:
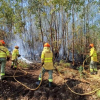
column 37, row 83
column 50, row 84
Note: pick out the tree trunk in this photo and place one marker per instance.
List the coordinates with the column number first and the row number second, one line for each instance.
column 40, row 24
column 73, row 29
column 67, row 39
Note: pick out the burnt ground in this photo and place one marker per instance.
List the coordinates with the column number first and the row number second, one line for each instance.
column 12, row 90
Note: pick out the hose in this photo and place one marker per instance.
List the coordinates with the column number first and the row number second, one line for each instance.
column 84, row 62
column 89, row 93
column 19, row 75
column 24, row 84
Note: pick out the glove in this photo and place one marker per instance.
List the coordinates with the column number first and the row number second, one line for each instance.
column 8, row 58
column 19, row 55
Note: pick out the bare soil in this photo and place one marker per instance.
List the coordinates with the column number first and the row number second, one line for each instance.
column 12, row 90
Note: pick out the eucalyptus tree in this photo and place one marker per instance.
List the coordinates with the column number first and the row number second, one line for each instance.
column 61, row 6
column 6, row 15
column 88, row 15
column 35, row 7
column 47, row 21
column 10, row 17
column 85, row 20
column 73, row 6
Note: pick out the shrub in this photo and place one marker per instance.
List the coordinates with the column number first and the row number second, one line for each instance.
column 98, row 93
column 22, row 64
column 66, row 64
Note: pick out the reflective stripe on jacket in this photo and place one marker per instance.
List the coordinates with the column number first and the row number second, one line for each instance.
column 47, row 58
column 15, row 54
column 5, row 53
column 93, row 54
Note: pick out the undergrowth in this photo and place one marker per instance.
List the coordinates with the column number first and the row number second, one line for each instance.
column 22, row 64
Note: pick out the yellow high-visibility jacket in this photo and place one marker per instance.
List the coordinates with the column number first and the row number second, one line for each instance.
column 15, row 54
column 93, row 54
column 4, row 54
column 47, row 58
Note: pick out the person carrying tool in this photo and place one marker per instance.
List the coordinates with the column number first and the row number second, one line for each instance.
column 4, row 55
column 47, row 63
column 93, row 62
column 15, row 55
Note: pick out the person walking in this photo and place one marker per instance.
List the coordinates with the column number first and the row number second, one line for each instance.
column 4, row 55
column 93, row 62
column 15, row 55
column 47, row 63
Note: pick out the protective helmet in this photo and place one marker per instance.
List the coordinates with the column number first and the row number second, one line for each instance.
column 46, row 45
column 91, row 45
column 2, row 41
column 17, row 47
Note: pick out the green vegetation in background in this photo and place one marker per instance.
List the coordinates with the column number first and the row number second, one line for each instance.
column 23, row 64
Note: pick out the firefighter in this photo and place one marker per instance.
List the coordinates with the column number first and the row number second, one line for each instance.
column 93, row 62
column 47, row 63
column 4, row 55
column 15, row 55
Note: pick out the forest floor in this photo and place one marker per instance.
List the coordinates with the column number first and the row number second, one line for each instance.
column 12, row 90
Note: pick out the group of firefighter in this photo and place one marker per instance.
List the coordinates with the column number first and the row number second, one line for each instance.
column 46, row 60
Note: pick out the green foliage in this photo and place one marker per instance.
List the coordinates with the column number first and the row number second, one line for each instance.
column 2, row 34
column 49, row 17
column 80, row 69
column 98, row 93
column 61, row 61
column 66, row 64
column 34, row 6
column 23, row 64
column 56, row 63
column 10, row 15
column 59, row 68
